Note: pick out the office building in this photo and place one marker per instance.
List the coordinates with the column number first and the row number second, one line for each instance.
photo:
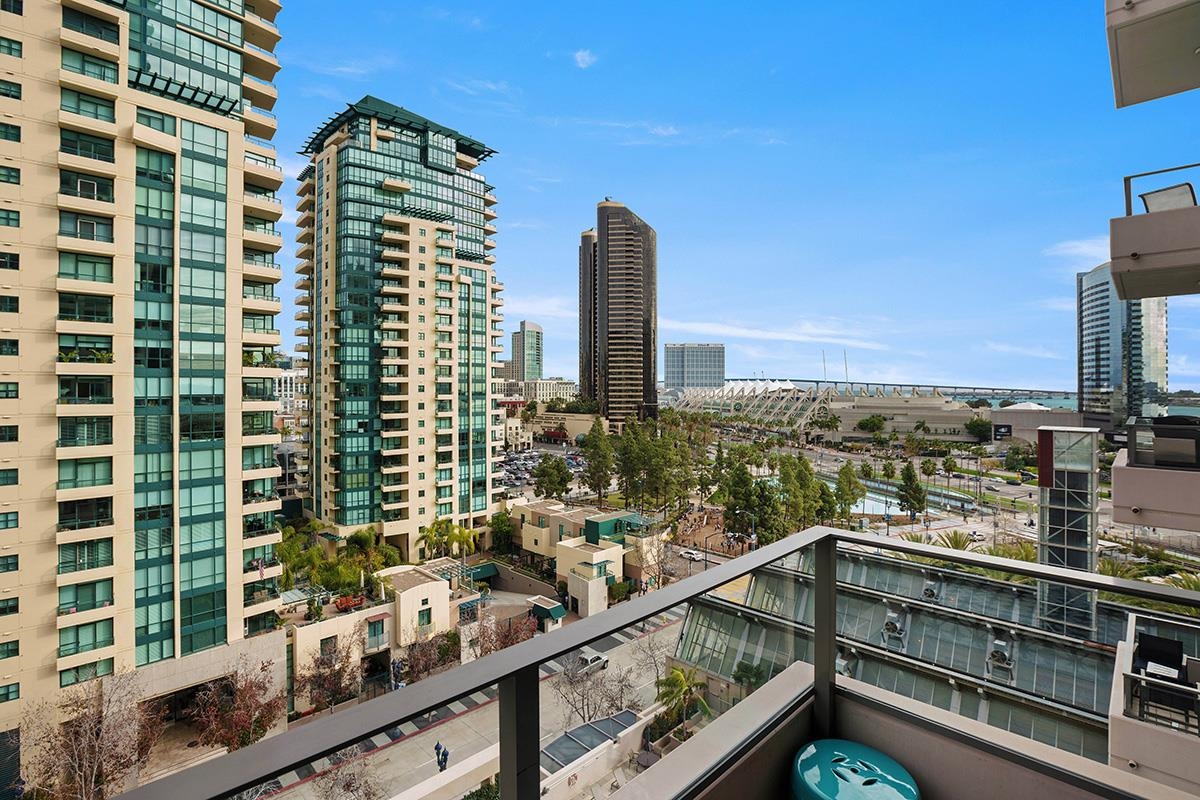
column 526, row 362
column 618, row 314
column 548, row 389
column 693, row 366
column 139, row 352
column 1122, row 351
column 395, row 262
column 291, row 390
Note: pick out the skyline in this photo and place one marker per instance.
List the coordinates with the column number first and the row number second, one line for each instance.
column 982, row 167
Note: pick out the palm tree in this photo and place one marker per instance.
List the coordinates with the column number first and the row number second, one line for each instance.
column 434, row 538
column 680, row 690
column 955, row 540
column 463, row 540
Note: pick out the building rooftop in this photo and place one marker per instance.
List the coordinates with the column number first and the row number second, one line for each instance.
column 403, row 581
column 381, row 109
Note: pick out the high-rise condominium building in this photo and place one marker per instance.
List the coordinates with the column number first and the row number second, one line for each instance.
column 618, row 314
column 693, row 366
column 1122, row 357
column 526, row 364
column 138, row 350
column 395, row 263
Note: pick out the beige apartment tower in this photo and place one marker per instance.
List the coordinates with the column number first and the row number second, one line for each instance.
column 618, row 314
column 400, row 320
column 137, row 345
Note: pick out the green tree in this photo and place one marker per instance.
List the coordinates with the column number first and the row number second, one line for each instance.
column 551, row 477
column 529, row 412
column 866, row 470
column 238, row 710
column 920, row 426
column 826, row 508
column 928, row 467
column 979, row 427
column 748, row 676
column 1017, row 457
column 849, row 491
column 911, row 494
column 888, row 469
column 598, row 452
column 873, row 424
column 949, row 464
column 631, row 460
column 982, row 403
column 502, row 528
column 954, row 540
column 680, row 690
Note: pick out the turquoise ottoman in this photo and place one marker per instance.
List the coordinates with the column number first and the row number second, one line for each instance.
column 834, row 769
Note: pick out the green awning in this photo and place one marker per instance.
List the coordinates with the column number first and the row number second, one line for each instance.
column 555, row 611
column 481, row 572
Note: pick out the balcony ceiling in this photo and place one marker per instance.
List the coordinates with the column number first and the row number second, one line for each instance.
column 1153, row 48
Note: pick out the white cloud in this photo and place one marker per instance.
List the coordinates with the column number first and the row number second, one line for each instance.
column 357, row 69
column 1055, row 303
column 1093, row 251
column 663, row 130
column 584, row 58
column 1030, row 351
column 1183, row 367
column 478, row 86
column 534, row 308
column 802, row 332
column 525, row 225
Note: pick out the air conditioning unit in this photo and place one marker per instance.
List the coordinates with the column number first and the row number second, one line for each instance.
column 931, row 592
column 894, row 624
column 1001, row 654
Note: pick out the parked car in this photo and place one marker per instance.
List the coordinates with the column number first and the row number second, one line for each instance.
column 976, row 536
column 991, row 487
column 691, row 555
column 1013, row 482
column 591, row 661
column 958, row 476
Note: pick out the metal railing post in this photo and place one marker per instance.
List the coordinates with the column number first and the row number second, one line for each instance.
column 824, row 632
column 520, row 756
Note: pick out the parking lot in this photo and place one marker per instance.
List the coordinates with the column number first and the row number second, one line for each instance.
column 517, row 467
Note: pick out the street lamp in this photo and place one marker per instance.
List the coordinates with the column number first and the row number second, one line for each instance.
column 706, row 538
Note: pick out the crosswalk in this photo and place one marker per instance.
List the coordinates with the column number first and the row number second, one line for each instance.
column 461, row 705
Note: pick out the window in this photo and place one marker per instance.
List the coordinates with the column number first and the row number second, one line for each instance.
column 10, row 47
column 90, row 554
column 425, row 616
column 8, row 563
column 8, row 477
column 8, row 520
column 9, row 347
column 9, row 304
column 9, row 605
column 85, row 307
column 10, row 89
column 85, row 267
column 13, row 690
column 156, row 120
column 81, row 184
column 82, row 638
column 91, row 66
column 80, row 472
column 84, row 23
column 85, row 145
column 155, row 165
column 8, row 391
column 88, row 105
column 10, row 649
column 13, row 6
column 10, row 175
column 374, row 629
column 10, row 260
column 85, row 431
column 8, row 433
column 10, row 132
column 85, row 596
column 10, row 219
column 85, row 226
column 85, row 672
column 328, row 645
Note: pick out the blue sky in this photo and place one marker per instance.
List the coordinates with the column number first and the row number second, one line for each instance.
column 916, row 190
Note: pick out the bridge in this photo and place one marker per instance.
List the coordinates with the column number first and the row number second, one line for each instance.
column 870, row 388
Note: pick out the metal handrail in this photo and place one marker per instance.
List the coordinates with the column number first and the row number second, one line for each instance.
column 1129, row 179
column 515, row 669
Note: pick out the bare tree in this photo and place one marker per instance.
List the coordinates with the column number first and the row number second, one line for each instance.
column 90, row 740
column 496, row 634
column 347, row 779
column 238, row 710
column 333, row 674
column 591, row 694
column 650, row 653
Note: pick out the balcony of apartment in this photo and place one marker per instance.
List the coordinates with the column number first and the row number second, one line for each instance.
column 260, row 92
column 303, row 332
column 1156, row 479
column 261, row 568
column 396, row 185
column 260, row 298
column 83, row 611
column 261, row 502
column 262, row 235
column 264, row 470
column 260, row 336
column 489, row 259
column 262, row 268
column 304, row 252
column 390, row 305
column 259, row 61
column 261, row 528
column 969, row 705
column 304, row 267
column 303, row 315
column 259, row 121
column 489, row 213
column 263, row 205
column 90, row 43
column 394, row 501
column 263, row 171
column 1156, row 245
column 393, row 287
column 1152, row 48
column 397, row 221
column 260, row 596
column 489, row 200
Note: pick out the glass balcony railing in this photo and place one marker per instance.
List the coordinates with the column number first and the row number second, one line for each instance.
column 83, row 647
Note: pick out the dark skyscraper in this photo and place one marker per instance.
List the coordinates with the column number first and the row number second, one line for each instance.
column 618, row 310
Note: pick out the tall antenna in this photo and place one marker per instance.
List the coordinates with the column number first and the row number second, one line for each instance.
column 846, row 363
column 824, row 366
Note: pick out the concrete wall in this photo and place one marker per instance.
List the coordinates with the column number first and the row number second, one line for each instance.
column 509, row 580
column 1025, row 423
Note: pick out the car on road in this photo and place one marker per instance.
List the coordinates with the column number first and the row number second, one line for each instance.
column 991, row 487
column 691, row 555
column 590, row 661
column 1013, row 482
column 958, row 476
column 976, row 536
